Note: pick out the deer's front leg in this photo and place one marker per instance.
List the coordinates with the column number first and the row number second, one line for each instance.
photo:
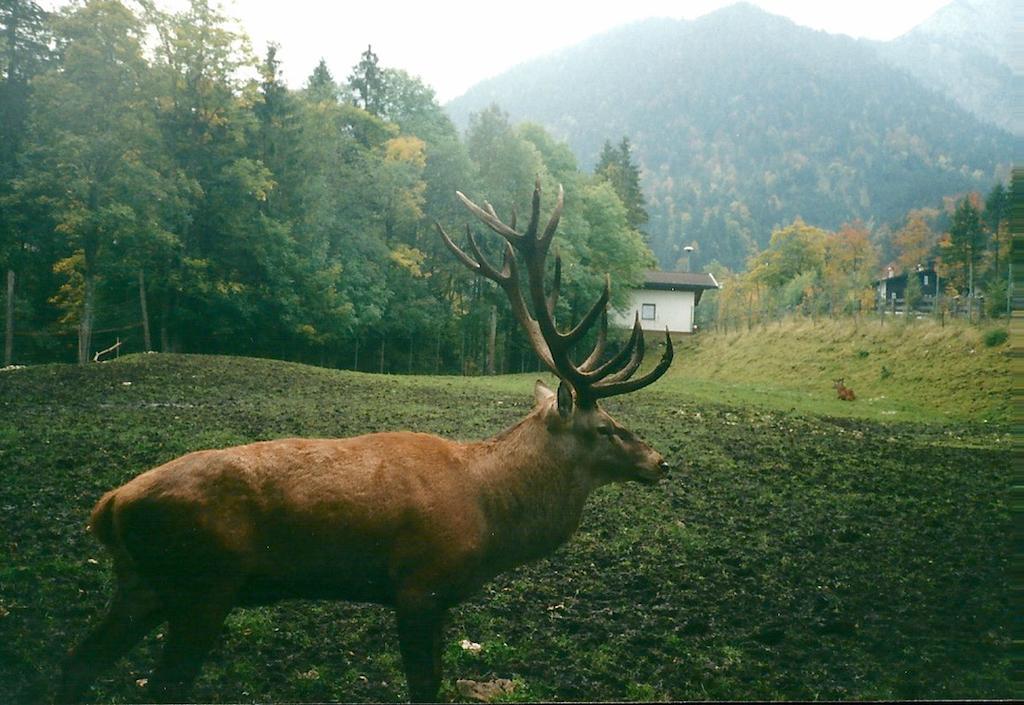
column 419, row 635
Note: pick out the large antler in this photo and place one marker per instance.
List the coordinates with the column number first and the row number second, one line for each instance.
column 589, row 380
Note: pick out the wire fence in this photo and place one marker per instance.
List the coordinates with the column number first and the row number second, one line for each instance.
column 119, row 330
column 25, row 343
column 893, row 309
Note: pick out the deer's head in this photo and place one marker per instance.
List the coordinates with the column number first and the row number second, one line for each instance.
column 599, row 443
column 572, row 415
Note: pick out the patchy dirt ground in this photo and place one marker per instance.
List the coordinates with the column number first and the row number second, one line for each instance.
column 789, row 557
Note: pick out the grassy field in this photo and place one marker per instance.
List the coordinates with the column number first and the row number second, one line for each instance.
column 803, row 547
column 924, row 371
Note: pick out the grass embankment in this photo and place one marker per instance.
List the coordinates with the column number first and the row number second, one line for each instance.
column 789, row 556
column 921, row 371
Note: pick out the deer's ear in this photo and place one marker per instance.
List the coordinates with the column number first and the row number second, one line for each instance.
column 564, row 400
column 541, row 392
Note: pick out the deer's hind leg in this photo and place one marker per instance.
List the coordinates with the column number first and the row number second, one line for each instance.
column 420, row 643
column 133, row 612
column 195, row 618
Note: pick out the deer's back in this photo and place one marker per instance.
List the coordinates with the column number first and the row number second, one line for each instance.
column 356, row 517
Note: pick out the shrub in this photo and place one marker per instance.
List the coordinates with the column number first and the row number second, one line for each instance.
column 995, row 336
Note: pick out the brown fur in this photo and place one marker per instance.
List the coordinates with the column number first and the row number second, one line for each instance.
column 409, row 520
column 844, row 392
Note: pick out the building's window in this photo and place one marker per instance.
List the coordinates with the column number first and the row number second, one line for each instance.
column 647, row 312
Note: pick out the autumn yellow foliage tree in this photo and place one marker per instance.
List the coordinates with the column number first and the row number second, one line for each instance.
column 806, row 269
column 916, row 241
column 792, row 265
column 851, row 261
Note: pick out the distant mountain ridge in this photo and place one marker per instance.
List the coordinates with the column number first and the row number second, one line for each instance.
column 965, row 51
column 984, row 25
column 742, row 120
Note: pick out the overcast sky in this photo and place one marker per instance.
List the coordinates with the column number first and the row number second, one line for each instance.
column 453, row 44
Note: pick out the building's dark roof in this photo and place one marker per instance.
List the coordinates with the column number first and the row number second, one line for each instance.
column 903, row 275
column 679, row 281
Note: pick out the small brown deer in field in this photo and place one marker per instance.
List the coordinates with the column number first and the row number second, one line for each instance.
column 408, row 520
column 844, row 392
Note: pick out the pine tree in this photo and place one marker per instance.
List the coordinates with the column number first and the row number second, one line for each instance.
column 615, row 165
column 321, row 86
column 276, row 130
column 24, row 49
column 608, row 159
column 367, row 83
column 997, row 207
column 966, row 241
column 996, row 223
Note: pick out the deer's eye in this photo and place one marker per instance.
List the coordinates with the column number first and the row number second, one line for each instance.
column 605, row 431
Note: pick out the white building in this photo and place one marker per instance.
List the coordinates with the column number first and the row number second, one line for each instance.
column 666, row 299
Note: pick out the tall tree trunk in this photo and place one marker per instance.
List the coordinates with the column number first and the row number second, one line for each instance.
column 88, row 315
column 970, row 275
column 165, row 341
column 9, row 325
column 1009, row 289
column 437, row 353
column 147, row 343
column 492, row 339
column 462, row 354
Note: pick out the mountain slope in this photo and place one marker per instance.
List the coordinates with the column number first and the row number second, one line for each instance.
column 964, row 51
column 742, row 120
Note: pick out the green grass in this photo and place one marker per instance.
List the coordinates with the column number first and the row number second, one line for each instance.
column 791, row 555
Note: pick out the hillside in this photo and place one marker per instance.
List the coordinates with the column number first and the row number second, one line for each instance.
column 919, row 372
column 742, row 120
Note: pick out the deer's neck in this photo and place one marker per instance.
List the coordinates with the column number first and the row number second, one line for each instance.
column 532, row 491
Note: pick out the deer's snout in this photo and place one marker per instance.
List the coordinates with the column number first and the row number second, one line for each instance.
column 652, row 472
column 663, row 468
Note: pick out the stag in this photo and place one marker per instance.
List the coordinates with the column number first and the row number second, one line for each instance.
column 409, row 520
